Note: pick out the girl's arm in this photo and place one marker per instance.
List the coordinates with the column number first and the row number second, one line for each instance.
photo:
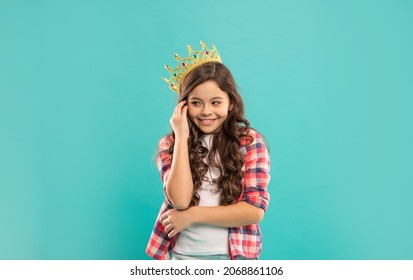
column 179, row 184
column 235, row 215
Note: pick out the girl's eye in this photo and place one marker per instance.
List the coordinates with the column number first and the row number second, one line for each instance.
column 195, row 103
column 216, row 103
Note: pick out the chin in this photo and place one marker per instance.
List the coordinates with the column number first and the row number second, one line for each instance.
column 209, row 130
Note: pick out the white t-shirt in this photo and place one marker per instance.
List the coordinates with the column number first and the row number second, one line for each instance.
column 204, row 239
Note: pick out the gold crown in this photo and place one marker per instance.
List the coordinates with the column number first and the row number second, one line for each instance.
column 193, row 60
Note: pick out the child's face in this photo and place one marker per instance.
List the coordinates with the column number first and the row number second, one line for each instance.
column 208, row 106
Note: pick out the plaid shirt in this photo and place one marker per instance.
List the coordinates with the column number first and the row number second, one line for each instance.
column 243, row 241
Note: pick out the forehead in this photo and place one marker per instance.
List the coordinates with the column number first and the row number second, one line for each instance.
column 208, row 90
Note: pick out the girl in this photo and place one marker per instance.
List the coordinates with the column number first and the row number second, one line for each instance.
column 215, row 170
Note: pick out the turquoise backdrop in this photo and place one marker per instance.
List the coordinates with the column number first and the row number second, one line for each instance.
column 82, row 107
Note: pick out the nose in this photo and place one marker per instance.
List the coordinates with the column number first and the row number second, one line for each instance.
column 206, row 111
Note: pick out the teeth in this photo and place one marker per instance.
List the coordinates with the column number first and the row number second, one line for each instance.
column 206, row 121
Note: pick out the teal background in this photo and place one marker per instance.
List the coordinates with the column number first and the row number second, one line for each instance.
column 82, row 107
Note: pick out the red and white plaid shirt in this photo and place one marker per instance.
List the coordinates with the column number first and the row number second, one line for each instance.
column 243, row 241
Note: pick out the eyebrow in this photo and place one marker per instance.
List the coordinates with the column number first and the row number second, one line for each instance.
column 216, row 97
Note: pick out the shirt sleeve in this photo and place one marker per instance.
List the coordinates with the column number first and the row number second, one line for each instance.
column 164, row 160
column 257, row 174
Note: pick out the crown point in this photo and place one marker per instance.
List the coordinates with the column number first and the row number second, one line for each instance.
column 185, row 65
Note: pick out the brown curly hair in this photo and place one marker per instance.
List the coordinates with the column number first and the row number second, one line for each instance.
column 226, row 142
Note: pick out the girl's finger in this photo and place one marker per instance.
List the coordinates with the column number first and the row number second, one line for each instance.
column 178, row 108
column 172, row 233
column 181, row 104
column 168, row 228
column 184, row 110
column 164, row 216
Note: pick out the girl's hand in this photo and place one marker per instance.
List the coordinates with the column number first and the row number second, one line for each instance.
column 179, row 120
column 175, row 221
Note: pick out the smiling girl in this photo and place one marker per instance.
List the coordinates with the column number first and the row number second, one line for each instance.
column 215, row 170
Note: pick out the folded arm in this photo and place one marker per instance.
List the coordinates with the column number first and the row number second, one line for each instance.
column 235, row 215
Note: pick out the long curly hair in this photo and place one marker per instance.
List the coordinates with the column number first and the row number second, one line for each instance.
column 224, row 155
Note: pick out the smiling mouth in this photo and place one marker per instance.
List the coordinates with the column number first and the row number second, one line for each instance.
column 206, row 122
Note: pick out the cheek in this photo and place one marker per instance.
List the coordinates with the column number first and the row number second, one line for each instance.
column 191, row 112
column 223, row 113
